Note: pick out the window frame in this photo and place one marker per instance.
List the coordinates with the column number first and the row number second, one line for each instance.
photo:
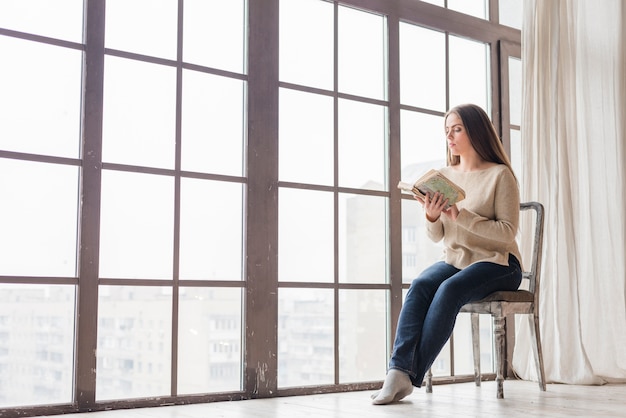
column 260, row 182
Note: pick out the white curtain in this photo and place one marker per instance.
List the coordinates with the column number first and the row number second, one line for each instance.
column 573, row 134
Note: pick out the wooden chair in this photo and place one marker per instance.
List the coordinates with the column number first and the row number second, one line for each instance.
column 503, row 303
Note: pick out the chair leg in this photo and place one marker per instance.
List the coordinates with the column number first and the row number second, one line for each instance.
column 536, row 339
column 429, row 381
column 499, row 331
column 476, row 346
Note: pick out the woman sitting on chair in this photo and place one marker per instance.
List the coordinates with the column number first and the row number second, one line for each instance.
column 480, row 252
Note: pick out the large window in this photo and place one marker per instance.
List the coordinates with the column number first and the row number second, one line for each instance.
column 171, row 204
column 205, row 208
column 332, row 200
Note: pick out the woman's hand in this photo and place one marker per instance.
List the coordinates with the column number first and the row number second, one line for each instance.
column 433, row 205
column 452, row 212
column 436, row 205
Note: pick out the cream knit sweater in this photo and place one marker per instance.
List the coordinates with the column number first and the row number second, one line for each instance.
column 487, row 225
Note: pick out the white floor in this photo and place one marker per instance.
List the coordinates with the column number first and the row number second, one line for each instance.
column 522, row 399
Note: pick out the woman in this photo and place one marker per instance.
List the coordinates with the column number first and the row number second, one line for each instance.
column 480, row 252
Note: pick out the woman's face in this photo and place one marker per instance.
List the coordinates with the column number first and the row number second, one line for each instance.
column 456, row 135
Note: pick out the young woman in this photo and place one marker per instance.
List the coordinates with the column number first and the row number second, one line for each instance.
column 480, row 252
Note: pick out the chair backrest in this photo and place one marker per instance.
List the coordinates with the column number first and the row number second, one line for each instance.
column 533, row 273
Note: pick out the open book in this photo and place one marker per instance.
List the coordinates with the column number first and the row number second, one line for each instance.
column 431, row 182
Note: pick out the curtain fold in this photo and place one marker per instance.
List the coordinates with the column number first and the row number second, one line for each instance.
column 573, row 133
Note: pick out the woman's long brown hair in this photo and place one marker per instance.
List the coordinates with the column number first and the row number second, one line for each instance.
column 482, row 135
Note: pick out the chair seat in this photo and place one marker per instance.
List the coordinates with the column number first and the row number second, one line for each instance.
column 502, row 303
column 508, row 296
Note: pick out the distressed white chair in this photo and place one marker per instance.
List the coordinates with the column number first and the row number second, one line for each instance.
column 503, row 303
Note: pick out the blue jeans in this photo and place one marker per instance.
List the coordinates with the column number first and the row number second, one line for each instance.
column 431, row 306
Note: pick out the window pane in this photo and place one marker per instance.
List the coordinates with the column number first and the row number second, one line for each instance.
column 139, row 113
column 214, row 34
column 423, row 147
column 515, row 90
column 463, row 354
column 209, row 340
column 469, row 72
column 487, row 360
column 511, row 12
column 362, row 145
column 306, row 337
column 441, row 366
column 305, row 236
column 212, row 124
column 134, row 353
column 307, row 43
column 210, row 230
column 306, row 146
column 362, row 335
column 423, row 144
column 463, row 347
column 145, row 27
column 35, row 16
column 363, row 239
column 476, row 8
column 136, row 227
column 516, row 153
column 36, row 344
column 435, row 2
column 422, row 67
column 40, row 221
column 418, row 251
column 40, row 104
column 362, row 53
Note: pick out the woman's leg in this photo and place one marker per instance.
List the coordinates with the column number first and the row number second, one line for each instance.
column 397, row 383
column 428, row 316
column 413, row 314
column 470, row 284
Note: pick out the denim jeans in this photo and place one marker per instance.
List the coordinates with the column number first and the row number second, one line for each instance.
column 431, row 306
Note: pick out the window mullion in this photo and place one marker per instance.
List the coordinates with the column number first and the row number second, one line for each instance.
column 261, row 302
column 87, row 294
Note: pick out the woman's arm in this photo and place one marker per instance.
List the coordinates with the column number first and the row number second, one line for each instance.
column 506, row 207
column 433, row 208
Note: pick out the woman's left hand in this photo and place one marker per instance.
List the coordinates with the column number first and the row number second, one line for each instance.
column 452, row 212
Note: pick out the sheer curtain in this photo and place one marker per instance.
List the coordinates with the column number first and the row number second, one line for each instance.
column 573, row 134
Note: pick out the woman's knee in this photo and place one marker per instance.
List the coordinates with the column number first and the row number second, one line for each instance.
column 453, row 293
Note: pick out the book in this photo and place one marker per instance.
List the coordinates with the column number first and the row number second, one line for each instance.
column 431, row 182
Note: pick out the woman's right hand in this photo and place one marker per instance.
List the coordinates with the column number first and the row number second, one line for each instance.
column 434, row 206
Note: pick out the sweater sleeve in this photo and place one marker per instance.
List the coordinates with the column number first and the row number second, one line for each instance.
column 506, row 207
column 434, row 230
